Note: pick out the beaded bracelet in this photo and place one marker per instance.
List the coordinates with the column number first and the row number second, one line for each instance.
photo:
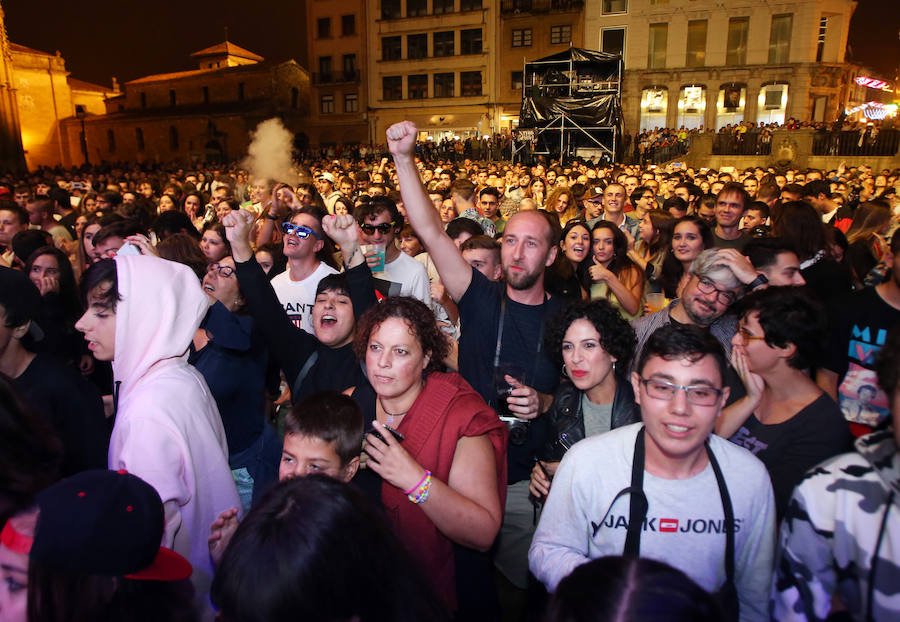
column 421, row 481
column 420, row 493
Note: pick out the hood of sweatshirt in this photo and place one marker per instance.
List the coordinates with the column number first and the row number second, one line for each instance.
column 880, row 450
column 160, row 308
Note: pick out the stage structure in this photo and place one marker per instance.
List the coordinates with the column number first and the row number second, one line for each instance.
column 571, row 106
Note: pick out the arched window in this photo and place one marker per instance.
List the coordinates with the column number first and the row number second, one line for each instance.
column 773, row 100
column 654, row 106
column 691, row 106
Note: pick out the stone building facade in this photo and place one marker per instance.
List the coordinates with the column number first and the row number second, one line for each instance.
column 717, row 62
column 432, row 62
column 337, row 53
column 46, row 96
column 200, row 114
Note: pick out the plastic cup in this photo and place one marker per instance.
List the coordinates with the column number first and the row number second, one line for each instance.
column 656, row 301
column 379, row 250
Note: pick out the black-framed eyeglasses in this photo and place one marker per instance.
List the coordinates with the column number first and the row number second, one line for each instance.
column 722, row 295
column 384, row 228
column 697, row 394
column 289, row 228
column 223, row 271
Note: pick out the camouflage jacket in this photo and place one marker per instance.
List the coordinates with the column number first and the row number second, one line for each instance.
column 841, row 533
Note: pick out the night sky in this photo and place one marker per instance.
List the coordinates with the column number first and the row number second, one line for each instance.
column 104, row 38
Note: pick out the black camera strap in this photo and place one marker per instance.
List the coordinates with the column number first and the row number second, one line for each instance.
column 637, row 514
column 540, row 342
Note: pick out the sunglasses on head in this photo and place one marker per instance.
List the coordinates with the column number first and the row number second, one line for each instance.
column 383, row 228
column 289, row 228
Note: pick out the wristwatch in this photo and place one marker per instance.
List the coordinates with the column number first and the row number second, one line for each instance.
column 759, row 281
column 271, row 217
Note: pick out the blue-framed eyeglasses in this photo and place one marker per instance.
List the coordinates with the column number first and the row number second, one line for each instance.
column 289, row 228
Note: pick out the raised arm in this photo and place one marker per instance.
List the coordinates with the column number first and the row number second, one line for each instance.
column 289, row 345
column 455, row 273
column 342, row 229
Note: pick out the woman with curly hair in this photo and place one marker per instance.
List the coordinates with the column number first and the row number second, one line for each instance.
column 611, row 274
column 439, row 450
column 561, row 203
column 590, row 339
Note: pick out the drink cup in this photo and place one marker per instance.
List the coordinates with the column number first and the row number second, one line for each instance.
column 656, row 301
column 379, row 252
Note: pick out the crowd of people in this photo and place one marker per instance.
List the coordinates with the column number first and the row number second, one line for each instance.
column 432, row 384
column 840, row 138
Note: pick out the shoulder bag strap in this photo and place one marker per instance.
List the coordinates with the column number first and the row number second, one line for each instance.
column 638, row 505
column 729, row 590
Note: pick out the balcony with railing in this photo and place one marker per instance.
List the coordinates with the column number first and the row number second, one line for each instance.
column 335, row 77
column 540, row 6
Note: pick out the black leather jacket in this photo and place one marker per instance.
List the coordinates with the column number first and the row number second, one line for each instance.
column 566, row 420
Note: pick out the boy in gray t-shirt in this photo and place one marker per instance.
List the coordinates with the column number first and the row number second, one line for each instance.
column 678, row 385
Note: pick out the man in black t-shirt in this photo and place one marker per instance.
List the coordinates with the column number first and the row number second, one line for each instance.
column 859, row 329
column 502, row 329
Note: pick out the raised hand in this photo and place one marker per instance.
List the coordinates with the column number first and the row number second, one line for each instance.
column 341, row 228
column 401, row 139
column 237, row 226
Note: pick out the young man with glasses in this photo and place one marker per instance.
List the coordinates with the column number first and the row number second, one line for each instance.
column 296, row 286
column 396, row 273
column 667, row 488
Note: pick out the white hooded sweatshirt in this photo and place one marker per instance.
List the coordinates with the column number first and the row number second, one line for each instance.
column 168, row 430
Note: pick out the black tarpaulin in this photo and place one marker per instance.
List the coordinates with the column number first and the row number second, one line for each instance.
column 582, row 85
column 594, row 110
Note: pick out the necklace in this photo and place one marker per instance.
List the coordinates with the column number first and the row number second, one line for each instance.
column 391, row 417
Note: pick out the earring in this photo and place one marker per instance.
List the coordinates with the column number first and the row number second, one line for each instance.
column 564, row 372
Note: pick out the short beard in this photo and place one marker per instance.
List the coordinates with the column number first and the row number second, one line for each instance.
column 523, row 282
column 699, row 321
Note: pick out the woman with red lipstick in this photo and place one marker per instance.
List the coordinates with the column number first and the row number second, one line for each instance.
column 592, row 341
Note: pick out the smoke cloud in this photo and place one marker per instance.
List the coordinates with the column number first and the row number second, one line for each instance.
column 269, row 155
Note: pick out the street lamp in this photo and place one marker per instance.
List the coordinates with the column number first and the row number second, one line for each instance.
column 80, row 113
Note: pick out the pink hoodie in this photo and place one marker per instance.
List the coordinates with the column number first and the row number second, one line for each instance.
column 168, row 430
